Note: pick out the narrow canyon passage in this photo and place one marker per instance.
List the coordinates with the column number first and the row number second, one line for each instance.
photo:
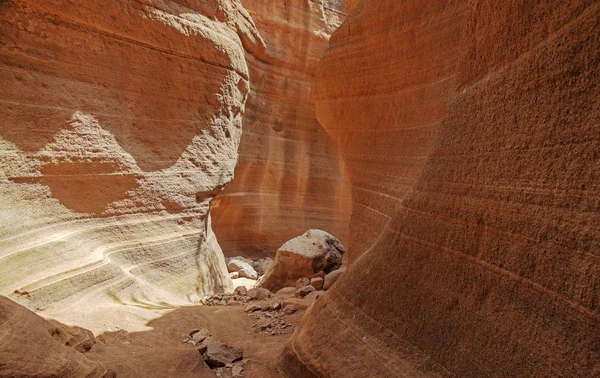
column 299, row 188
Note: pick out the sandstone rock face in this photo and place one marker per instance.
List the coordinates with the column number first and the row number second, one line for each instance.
column 119, row 122
column 33, row 347
column 290, row 175
column 302, row 257
column 470, row 131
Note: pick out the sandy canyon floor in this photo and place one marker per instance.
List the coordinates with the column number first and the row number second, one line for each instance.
column 161, row 353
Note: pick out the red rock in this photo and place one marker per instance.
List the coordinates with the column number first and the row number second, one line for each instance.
column 290, row 309
column 304, row 291
column 317, row 283
column 301, row 282
column 200, row 336
column 259, row 293
column 219, row 354
column 470, row 132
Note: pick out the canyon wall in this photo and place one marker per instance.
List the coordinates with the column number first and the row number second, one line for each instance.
column 120, row 122
column 470, row 130
column 290, row 176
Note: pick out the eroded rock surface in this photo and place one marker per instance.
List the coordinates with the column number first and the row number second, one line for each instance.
column 119, row 123
column 470, row 131
column 290, row 175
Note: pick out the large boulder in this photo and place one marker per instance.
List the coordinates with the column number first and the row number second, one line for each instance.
column 303, row 256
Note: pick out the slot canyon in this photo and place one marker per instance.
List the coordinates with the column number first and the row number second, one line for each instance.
column 299, row 188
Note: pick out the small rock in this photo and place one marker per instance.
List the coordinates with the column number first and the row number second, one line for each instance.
column 265, row 307
column 275, row 306
column 253, row 308
column 301, row 282
column 321, row 274
column 264, row 324
column 304, row 291
column 237, row 369
column 286, row 292
column 241, row 290
column 259, row 294
column 199, row 336
column 290, row 309
column 262, row 265
column 203, row 345
column 234, row 275
column 302, row 303
column 218, row 354
column 223, row 372
column 317, row 282
column 332, row 278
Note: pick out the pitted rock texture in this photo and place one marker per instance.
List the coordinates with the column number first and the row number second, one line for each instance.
column 119, row 123
column 470, row 130
column 290, row 175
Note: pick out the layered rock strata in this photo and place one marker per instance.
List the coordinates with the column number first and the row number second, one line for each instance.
column 470, row 131
column 119, row 123
column 290, row 175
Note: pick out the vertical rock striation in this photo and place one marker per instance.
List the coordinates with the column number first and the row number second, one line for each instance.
column 382, row 92
column 119, row 123
column 290, row 175
column 470, row 131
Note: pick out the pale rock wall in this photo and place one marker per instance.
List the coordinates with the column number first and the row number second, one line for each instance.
column 470, row 130
column 119, row 121
column 290, row 175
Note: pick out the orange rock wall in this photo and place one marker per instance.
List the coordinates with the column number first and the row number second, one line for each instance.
column 470, row 130
column 290, row 176
column 382, row 92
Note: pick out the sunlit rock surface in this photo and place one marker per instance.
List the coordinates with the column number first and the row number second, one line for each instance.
column 119, row 121
column 290, row 175
column 470, row 132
